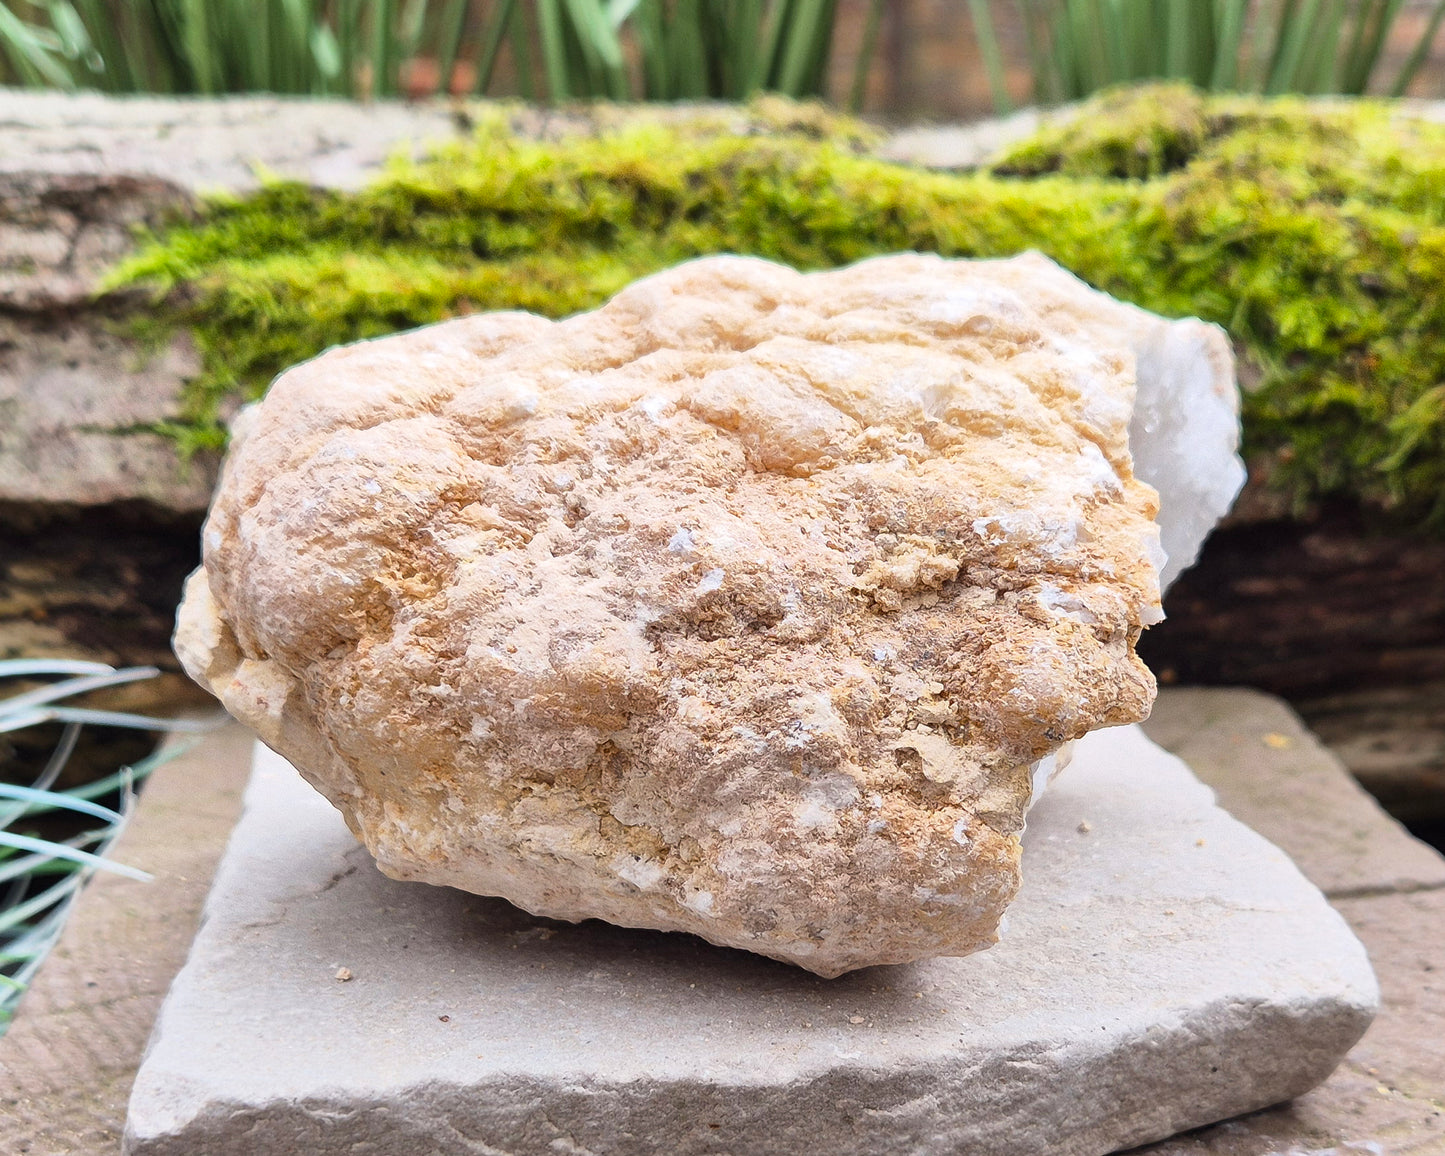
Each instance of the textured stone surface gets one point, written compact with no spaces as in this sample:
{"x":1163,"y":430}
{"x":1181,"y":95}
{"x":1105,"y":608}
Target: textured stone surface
{"x":743,"y":606}
{"x":1163,"y":967}
{"x":965,"y":146}
{"x":77,"y":174}
{"x":1384,"y":1100}
{"x":1273,"y":774}
{"x":1393,"y":741}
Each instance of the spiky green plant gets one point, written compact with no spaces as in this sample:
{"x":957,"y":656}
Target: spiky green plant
{"x":40,"y":876}
{"x":1077,"y":47}
{"x":618,"y":49}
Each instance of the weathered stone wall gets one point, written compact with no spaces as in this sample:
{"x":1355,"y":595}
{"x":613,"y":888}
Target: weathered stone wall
{"x":77,"y":176}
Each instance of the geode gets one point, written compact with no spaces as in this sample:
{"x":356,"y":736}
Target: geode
{"x":750,"y":605}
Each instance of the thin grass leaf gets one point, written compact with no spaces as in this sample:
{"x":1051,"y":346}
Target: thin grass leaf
{"x":383,"y":80}
{"x":58,"y":757}
{"x":330,"y":64}
{"x":1314,"y":65}
{"x":34,"y":61}
{"x":988,"y":47}
{"x":40,"y":801}
{"x":57,"y":892}
{"x":61,"y":851}
{"x":1041,"y":59}
{"x":75,"y":41}
{"x":502,"y":19}
{"x":74,"y":686}
{"x":554,"y":49}
{"x":594,"y":34}
{"x":799,"y":45}
{"x":1128,"y":20}
{"x":1421,"y":51}
{"x":1229,"y":42}
{"x":411,"y":25}
{"x":38,"y":864}
{"x":109,"y":718}
{"x":451,"y":22}
{"x":869,"y":46}
{"x":27,"y":667}
{"x":26,"y":867}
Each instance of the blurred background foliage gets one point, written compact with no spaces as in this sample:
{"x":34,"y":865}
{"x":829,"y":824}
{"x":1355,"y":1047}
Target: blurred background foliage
{"x":1077,"y":47}
{"x":557,"y":50}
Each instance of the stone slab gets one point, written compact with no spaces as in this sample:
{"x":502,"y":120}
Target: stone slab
{"x":1386,"y":1098}
{"x":1392,"y":739}
{"x":1272,"y":773}
{"x":1164,"y":967}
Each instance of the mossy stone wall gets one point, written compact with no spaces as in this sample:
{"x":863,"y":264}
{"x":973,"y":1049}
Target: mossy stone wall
{"x":1314,"y":234}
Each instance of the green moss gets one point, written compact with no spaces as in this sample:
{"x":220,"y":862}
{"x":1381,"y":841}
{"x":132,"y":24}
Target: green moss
{"x":1315,"y":235}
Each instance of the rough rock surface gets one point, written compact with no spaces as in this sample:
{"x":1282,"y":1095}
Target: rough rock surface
{"x":78,"y":173}
{"x":743,"y":606}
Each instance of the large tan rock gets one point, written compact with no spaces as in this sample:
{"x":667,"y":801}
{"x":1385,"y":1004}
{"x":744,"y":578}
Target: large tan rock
{"x":745,"y":605}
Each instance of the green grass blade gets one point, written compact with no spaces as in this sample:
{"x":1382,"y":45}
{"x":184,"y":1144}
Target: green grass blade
{"x":75,"y":686}
{"x":992,"y":53}
{"x":554,"y":50}
{"x":501,"y":19}
{"x":452,"y":23}
{"x":651,"y":32}
{"x":687,"y":45}
{"x":108,"y":718}
{"x":1178,"y":41}
{"x":866,"y":51}
{"x":37,"y":64}
{"x":41,"y":801}
{"x":1372,"y":22}
{"x":383,"y":42}
{"x":1420,"y":52}
{"x":328,"y":60}
{"x":1314,"y":72}
{"x":75,"y":43}
{"x":1116,"y":20}
{"x":411,"y":26}
{"x":105,"y":67}
{"x":74,"y":854}
{"x":1042,"y":62}
{"x":1296,"y":29}
{"x":1228,"y":44}
{"x":29,"y":667}
{"x":771,"y":41}
{"x":17,"y":915}
{"x":597,"y":39}
{"x":521,"y":34}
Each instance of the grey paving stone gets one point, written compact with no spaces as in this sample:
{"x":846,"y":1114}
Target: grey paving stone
{"x":1164,"y":967}
{"x":1273,"y":774}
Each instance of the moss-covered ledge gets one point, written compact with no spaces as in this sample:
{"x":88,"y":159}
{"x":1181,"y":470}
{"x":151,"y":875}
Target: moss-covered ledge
{"x":1314,"y":233}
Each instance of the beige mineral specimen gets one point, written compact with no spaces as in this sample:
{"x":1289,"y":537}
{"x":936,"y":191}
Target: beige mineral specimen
{"x":746,"y":605}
